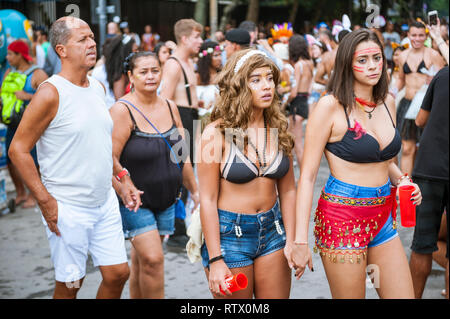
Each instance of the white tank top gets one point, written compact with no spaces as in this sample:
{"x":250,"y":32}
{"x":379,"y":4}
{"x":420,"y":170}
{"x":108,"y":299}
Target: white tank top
{"x":75,"y":151}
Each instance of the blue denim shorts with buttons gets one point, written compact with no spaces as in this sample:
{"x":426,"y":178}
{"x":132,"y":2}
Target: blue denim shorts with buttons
{"x":340,"y":188}
{"x":144,"y":220}
{"x":244,"y":237}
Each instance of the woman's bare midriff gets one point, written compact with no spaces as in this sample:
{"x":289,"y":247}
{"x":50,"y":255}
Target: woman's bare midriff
{"x":256,"y":196}
{"x":360,"y":174}
{"x":413,"y":82}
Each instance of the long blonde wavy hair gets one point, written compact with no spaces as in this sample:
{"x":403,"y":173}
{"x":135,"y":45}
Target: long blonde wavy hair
{"x":234,"y":104}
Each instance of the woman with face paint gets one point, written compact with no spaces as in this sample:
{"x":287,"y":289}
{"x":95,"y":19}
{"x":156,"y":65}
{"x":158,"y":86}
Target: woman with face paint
{"x":246,"y":180}
{"x":355,"y":223}
{"x":147,"y":139}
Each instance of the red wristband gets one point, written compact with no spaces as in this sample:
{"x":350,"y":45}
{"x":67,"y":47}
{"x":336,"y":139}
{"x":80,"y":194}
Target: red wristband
{"x":122,"y":174}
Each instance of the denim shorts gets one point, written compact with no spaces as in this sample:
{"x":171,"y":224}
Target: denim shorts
{"x":144,"y":220}
{"x":245,"y":237}
{"x":340,"y":188}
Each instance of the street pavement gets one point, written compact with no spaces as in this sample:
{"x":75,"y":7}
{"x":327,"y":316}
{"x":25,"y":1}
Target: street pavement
{"x":26,"y":269}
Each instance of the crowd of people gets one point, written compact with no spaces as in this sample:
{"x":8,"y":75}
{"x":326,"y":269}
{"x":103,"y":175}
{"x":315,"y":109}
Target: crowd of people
{"x":113,"y":148}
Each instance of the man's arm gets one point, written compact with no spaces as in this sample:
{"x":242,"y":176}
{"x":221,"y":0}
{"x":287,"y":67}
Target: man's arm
{"x":427,"y":103}
{"x":36,"y":118}
{"x":321,"y":70}
{"x":437,"y":59}
{"x":422,"y":118}
{"x":170,"y":78}
{"x":435,"y":33}
{"x":401,"y":74}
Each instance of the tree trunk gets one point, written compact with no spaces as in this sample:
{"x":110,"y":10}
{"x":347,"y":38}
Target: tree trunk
{"x":293,"y":13}
{"x":318,"y":12}
{"x":227,"y":13}
{"x":200,"y":11}
{"x":253,"y":11}
{"x":213,"y":18}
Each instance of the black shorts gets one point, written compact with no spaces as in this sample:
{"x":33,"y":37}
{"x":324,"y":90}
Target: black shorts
{"x":407,"y":128}
{"x":188,"y":115}
{"x":435,"y":200}
{"x":299,"y":105}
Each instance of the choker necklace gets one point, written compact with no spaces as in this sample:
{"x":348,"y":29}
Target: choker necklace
{"x":365,"y":103}
{"x":361,"y":103}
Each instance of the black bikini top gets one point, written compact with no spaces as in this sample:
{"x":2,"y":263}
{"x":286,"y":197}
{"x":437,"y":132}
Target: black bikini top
{"x":407,"y":69}
{"x":359,"y":147}
{"x":239,"y":169}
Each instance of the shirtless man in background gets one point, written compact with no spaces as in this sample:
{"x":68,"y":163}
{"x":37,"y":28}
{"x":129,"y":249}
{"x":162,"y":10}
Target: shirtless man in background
{"x":412,"y":61}
{"x":325,"y":67}
{"x":179,"y":69}
{"x":178,"y":84}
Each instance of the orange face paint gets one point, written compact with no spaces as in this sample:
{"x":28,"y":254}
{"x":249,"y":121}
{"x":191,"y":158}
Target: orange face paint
{"x":358,"y":68}
{"x":368,"y":51}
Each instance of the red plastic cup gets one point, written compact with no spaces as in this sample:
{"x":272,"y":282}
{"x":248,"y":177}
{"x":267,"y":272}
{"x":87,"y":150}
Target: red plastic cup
{"x":235,"y":283}
{"x":407,"y":208}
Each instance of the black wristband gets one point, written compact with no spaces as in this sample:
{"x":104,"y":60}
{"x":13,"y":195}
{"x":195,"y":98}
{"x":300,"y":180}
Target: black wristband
{"x":215,"y":259}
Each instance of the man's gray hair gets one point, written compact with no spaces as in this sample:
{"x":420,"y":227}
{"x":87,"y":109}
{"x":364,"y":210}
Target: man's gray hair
{"x":59,"y":33}
{"x":61,"y":29}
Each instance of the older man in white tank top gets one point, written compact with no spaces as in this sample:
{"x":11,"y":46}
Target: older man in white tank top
{"x":70,"y":123}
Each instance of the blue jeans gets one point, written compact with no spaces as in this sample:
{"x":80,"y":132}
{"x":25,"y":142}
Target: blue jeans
{"x":245,"y":237}
{"x":340,"y":188}
{"x":144,"y":220}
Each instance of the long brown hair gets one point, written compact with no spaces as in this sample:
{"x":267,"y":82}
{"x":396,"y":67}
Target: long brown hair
{"x":234,"y":104}
{"x":341,"y":82}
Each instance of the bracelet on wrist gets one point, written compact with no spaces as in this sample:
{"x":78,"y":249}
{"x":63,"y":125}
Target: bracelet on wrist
{"x":212,"y":260}
{"x":122,"y":173}
{"x":300,"y":243}
{"x":401,"y":178}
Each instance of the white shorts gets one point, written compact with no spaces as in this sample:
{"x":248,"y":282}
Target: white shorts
{"x":97,"y":230}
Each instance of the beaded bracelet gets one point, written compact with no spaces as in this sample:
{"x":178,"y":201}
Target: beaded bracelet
{"x":215,"y":259}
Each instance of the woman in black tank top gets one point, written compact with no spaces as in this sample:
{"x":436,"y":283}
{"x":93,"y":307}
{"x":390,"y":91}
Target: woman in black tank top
{"x":355,"y":219}
{"x":151,"y":163}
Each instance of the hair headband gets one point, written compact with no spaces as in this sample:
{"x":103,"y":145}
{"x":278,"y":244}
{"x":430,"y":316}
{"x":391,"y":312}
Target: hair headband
{"x":245,"y":57}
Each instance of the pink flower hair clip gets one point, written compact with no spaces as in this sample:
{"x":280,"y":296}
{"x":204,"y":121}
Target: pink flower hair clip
{"x":204,"y":53}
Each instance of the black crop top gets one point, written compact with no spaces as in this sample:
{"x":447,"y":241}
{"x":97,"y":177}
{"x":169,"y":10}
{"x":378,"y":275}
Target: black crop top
{"x":239,"y":169}
{"x":359,"y":147}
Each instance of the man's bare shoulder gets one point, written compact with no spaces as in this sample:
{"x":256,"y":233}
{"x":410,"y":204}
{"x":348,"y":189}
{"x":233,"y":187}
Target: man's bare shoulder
{"x":46,"y":95}
{"x":172,"y":69}
{"x":404,"y":54}
{"x":172,"y":64}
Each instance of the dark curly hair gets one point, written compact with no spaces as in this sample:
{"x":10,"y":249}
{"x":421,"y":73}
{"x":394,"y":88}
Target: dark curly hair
{"x":204,"y":62}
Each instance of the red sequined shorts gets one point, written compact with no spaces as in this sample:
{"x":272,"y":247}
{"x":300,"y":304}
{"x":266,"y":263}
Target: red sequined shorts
{"x":345,"y":226}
